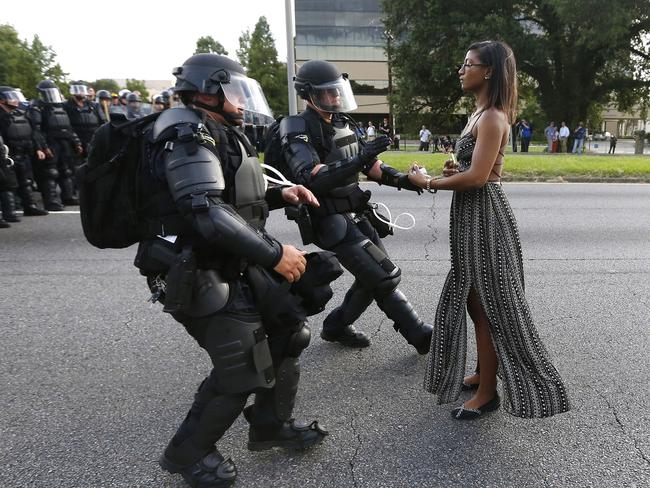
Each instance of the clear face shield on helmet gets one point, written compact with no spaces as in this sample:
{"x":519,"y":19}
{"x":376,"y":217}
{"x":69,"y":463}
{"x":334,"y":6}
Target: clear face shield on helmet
{"x":79,"y":90}
{"x":246,"y":93}
{"x":13,"y":98}
{"x":333,"y":96}
{"x":51,"y":95}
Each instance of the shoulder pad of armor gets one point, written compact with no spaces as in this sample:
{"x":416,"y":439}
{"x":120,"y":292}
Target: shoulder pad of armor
{"x":174,"y":116}
{"x":293,"y":125}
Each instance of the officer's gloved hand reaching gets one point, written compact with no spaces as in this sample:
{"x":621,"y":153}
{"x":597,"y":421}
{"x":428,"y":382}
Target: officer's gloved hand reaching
{"x":370,"y":150}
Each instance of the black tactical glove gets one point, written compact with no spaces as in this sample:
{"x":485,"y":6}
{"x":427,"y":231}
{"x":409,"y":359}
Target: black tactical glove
{"x":370,"y":150}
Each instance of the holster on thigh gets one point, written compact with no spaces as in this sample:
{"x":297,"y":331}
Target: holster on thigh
{"x":370,"y":265}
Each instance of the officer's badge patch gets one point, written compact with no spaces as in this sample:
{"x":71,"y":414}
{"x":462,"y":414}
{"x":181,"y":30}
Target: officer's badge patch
{"x":303,"y":137}
{"x":204,"y":136}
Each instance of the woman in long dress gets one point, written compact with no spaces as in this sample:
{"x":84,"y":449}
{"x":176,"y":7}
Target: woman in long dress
{"x":486,"y":275}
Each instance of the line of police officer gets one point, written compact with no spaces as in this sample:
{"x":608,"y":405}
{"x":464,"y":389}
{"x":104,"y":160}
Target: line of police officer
{"x":45,"y":141}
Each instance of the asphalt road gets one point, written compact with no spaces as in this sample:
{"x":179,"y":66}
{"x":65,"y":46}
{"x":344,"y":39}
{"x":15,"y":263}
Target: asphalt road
{"x":94,"y":380}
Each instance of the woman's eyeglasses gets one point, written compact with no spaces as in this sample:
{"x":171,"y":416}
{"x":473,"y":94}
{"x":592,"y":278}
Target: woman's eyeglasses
{"x":469,"y":65}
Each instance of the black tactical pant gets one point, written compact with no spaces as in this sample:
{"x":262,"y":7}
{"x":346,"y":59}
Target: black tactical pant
{"x":362,"y":253}
{"x":214,"y":410}
{"x":359,"y":297}
{"x":59,"y":169}
{"x":25,"y":179}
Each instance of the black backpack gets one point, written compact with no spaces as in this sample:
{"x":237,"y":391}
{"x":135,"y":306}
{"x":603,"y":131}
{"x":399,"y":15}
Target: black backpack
{"x":273,"y":149}
{"x":107,"y":182}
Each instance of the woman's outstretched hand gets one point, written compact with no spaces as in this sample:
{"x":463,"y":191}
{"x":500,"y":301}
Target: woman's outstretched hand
{"x":417,"y":177}
{"x":450,"y":168}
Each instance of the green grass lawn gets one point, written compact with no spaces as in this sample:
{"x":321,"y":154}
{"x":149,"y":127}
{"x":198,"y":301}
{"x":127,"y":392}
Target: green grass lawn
{"x":542,"y":166}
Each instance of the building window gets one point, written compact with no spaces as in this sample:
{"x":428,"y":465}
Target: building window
{"x":369,"y":87}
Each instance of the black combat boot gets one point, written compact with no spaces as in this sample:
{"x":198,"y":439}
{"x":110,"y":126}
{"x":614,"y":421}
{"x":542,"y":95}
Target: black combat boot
{"x":211,"y":471}
{"x":30,"y":209}
{"x":67,"y":192}
{"x":346,"y":336}
{"x":51,"y":199}
{"x":34,"y":211}
{"x":4,"y":224}
{"x":337,"y":327}
{"x":266,"y":433}
{"x":8,"y":205}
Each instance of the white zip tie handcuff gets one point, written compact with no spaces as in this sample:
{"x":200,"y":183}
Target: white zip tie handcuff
{"x":283,"y":181}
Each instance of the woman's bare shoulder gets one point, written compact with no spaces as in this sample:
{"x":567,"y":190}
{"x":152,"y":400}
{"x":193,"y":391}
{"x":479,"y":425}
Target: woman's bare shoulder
{"x":493,"y":117}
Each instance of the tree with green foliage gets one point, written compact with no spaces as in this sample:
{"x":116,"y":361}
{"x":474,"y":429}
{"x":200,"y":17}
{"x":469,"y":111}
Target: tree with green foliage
{"x":207,"y":44}
{"x":137,"y":85}
{"x":257,"y":53}
{"x":24,"y":64}
{"x":106,"y":84}
{"x":578,"y":54}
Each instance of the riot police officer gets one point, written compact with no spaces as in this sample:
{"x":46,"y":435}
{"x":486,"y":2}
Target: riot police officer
{"x":323,"y":153}
{"x":159,"y":103}
{"x":84,"y":114}
{"x":51,"y":120}
{"x":104,"y":102}
{"x":7,"y":185}
{"x":133,"y":106}
{"x":208,"y":189}
{"x":23,"y":144}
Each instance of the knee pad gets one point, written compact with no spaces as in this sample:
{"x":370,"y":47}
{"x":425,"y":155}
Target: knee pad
{"x":298,"y":341}
{"x":389,"y":285}
{"x":51,"y":173}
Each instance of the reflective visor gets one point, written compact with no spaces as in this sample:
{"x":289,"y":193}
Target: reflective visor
{"x":79,"y":90}
{"x":15,"y":95}
{"x":246,"y":93}
{"x":51,"y":95}
{"x":334,"y":96}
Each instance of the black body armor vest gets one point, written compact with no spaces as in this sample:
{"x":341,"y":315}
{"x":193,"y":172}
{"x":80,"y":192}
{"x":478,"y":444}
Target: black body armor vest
{"x":56,"y":122}
{"x":344,"y":144}
{"x":84,"y":120}
{"x":18,"y":132}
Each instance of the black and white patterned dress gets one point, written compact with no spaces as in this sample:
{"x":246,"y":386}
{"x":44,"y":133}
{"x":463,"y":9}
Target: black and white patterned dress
{"x":486,"y":255}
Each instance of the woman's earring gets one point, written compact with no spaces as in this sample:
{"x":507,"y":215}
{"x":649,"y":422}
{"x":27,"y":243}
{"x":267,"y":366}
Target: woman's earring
{"x":487,"y":77}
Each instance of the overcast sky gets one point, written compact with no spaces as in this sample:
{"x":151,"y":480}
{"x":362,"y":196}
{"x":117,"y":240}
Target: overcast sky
{"x":137,"y":39}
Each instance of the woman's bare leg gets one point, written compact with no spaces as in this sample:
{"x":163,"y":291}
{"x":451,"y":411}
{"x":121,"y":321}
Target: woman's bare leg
{"x":473,"y":379}
{"x":487,"y":356}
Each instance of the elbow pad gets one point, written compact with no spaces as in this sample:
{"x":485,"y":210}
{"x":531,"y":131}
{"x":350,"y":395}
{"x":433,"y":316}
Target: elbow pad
{"x":392,"y":177}
{"x":335,"y":174}
{"x":221,"y":225}
{"x":192,"y":169}
{"x":301,"y":159}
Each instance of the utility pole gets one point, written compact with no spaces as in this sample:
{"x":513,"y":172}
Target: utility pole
{"x":389,"y":39}
{"x":291,"y":59}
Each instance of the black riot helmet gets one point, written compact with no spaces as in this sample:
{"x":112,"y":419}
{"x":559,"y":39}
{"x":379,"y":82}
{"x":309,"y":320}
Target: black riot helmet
{"x":103,"y":95}
{"x":166,"y":97}
{"x":79,"y":90}
{"x":49,"y":92}
{"x":12,"y":97}
{"x":320,"y":82}
{"x":218,"y":75}
{"x":133,"y":101}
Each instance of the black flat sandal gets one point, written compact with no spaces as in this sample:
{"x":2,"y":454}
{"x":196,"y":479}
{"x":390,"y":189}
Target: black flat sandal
{"x":464,"y":413}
